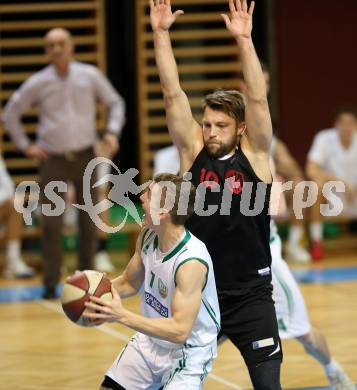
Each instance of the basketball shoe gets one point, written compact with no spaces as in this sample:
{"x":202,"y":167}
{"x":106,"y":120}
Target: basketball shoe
{"x":339,"y":380}
{"x":17,"y":268}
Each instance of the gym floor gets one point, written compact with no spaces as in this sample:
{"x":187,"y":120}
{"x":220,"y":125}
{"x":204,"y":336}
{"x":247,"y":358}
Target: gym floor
{"x":41,"y":349}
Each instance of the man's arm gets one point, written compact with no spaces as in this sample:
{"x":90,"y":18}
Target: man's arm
{"x":18,"y":104}
{"x":116,"y":110}
{"x":277,"y":206}
{"x":286,"y":165}
{"x":316,"y":160}
{"x":186,"y":133}
{"x":259,"y":127}
{"x":315,"y":172}
{"x":190,"y":279}
{"x":130,"y":281}
{"x":317,"y":157}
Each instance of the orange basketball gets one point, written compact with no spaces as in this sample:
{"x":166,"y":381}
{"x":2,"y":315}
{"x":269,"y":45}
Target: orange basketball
{"x":77,"y":290}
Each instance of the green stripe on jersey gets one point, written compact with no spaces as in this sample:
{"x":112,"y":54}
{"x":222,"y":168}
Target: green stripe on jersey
{"x":178,"y":247}
{"x":212,"y":314}
{"x":148,"y":241}
{"x":144,"y":237}
{"x":189,"y":259}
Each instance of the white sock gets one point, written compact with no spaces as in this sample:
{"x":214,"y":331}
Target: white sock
{"x":332,"y":367}
{"x":12,"y":250}
{"x":316,"y":231}
{"x":295,"y":234}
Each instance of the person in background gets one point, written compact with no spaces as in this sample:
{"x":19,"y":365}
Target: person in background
{"x":288,"y":168}
{"x":291,"y":311}
{"x":65,"y":93}
{"x":102,"y":261}
{"x":167,"y":160}
{"x":11,"y":224}
{"x":333,"y":157}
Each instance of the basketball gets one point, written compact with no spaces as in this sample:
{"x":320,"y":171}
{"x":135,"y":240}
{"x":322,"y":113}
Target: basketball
{"x":77,"y":290}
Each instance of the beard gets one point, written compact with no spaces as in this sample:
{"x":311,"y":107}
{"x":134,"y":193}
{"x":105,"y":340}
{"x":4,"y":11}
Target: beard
{"x":219,"y":149}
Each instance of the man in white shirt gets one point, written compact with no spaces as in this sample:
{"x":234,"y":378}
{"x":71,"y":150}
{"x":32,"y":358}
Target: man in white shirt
{"x":65,"y":93}
{"x":11,"y":224}
{"x":333,"y":157}
{"x":167,"y":160}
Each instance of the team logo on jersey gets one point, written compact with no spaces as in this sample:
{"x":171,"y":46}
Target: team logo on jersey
{"x":209,"y":178}
{"x":162,"y":289}
{"x":156,"y":305}
{"x":235,"y":180}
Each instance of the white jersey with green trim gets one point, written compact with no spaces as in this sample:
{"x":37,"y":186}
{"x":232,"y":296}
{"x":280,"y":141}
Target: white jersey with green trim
{"x":290,"y":308}
{"x":160,"y":284}
{"x":273,"y":231}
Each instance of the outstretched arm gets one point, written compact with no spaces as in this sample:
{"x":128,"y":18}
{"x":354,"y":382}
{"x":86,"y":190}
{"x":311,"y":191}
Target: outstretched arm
{"x":185,"y":131}
{"x":259,"y":127}
{"x":190,"y":279}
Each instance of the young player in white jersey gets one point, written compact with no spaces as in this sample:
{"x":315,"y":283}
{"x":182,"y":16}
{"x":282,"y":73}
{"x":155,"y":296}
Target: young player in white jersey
{"x":177,"y":334}
{"x":293,"y":319}
{"x":10,"y":229}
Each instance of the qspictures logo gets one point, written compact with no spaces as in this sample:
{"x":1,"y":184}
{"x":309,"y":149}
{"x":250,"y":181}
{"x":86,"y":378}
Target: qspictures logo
{"x":305,"y":194}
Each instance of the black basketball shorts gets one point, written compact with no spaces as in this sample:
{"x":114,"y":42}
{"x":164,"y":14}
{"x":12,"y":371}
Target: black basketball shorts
{"x":248,"y":319}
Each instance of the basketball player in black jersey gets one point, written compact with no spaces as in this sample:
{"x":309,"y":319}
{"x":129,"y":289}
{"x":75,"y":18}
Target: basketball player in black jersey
{"x":231,"y":147}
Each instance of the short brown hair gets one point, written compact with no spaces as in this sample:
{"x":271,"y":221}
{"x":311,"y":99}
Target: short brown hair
{"x":185,"y":192}
{"x":346,"y":109}
{"x":231,"y":102}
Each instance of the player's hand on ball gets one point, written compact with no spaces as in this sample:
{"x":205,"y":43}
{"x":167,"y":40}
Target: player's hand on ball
{"x":105,"y":311}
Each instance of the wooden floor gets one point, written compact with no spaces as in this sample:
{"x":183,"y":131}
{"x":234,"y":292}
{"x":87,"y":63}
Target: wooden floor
{"x":41,"y":349}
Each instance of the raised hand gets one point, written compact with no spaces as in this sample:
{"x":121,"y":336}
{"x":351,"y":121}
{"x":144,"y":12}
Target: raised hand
{"x":240,"y":21}
{"x":161,"y":15}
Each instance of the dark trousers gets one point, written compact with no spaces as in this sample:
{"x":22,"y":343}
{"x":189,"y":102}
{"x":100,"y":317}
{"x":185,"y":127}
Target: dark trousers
{"x":68,"y":167}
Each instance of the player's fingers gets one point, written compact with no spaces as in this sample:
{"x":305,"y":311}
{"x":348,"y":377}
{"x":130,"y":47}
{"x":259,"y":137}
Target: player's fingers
{"x":251,"y":8}
{"x":96,"y":315}
{"x":94,"y":306}
{"x":238,"y":5}
{"x":98,"y":301}
{"x":232,"y":7}
{"x":97,"y":322}
{"x":244,"y":5}
{"x":226,"y":20}
{"x":178,"y":13}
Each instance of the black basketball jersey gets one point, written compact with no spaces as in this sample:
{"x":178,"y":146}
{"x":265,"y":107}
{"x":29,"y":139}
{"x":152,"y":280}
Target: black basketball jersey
{"x":237,"y":240}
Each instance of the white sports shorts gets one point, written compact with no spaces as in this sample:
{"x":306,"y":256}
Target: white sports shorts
{"x":291,"y":313}
{"x":143,"y":364}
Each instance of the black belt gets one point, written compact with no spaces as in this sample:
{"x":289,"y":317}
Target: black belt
{"x":73,"y":155}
